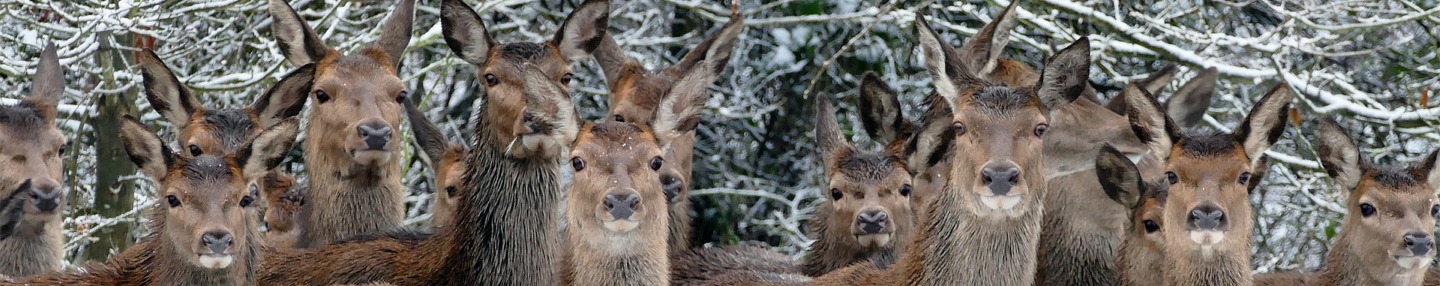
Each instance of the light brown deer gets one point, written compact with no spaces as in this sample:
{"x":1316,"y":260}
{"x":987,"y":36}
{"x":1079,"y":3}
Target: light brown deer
{"x":352,"y":126}
{"x":30,"y":145}
{"x":512,"y":183}
{"x":1140,"y":260}
{"x":1387,"y":237}
{"x":635,"y":93}
{"x":984,"y":229}
{"x":446,"y":161}
{"x":204,"y":230}
{"x":1207,"y":213}
{"x":283,"y":201}
{"x":868,"y":215}
{"x":617,"y":225}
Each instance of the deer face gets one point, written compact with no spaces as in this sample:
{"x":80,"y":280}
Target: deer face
{"x":617,"y":175}
{"x":30,"y":144}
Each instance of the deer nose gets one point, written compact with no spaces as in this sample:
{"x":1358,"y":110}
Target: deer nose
{"x":217,"y":241}
{"x":1207,"y":217}
{"x":672,"y":186}
{"x":376,"y":135}
{"x":872,"y":221}
{"x":622,"y":204}
{"x":46,"y":196}
{"x":1418,"y":243}
{"x":1000,"y":178}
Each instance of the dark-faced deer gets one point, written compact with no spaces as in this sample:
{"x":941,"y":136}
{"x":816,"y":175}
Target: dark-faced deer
{"x":446,"y":161}
{"x":353,"y":125}
{"x":616,"y":213}
{"x":1140,"y":259}
{"x":1207,"y":213}
{"x":984,"y":228}
{"x":635,"y":93}
{"x":1388,"y":236}
{"x":868,"y":215}
{"x":31,"y":240}
{"x":283,"y":201}
{"x":512,"y":183}
{"x":219,"y":131}
{"x":204,"y":230}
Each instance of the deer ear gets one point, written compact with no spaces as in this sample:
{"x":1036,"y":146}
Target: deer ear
{"x":1428,"y":168}
{"x":715,"y":50}
{"x":1154,"y":84}
{"x":431,"y":140}
{"x":1189,"y":103}
{"x":49,"y":76}
{"x":165,"y":92}
{"x":941,"y":62}
{"x":982,"y":53}
{"x":395,"y":32}
{"x":1338,"y":154}
{"x":931,"y":144}
{"x":680,"y":110}
{"x":287,"y":98}
{"x":1066,"y":75}
{"x":464,"y":32}
{"x":880,"y":110}
{"x":145,"y":148}
{"x":828,"y":135}
{"x":1149,"y":122}
{"x":1119,"y":177}
{"x":583,"y":31}
{"x":268,"y":149}
{"x":1265,"y":123}
{"x":297,"y":41}
{"x":549,"y":106}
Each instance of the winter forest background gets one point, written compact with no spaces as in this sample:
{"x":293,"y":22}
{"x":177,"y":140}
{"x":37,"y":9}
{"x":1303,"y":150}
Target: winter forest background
{"x":1372,"y":64}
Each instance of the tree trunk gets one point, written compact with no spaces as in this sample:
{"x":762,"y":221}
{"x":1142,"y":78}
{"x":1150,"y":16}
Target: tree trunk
{"x":112,"y":196}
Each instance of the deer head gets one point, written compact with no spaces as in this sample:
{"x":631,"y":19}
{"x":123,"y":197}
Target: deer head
{"x":30,"y":148}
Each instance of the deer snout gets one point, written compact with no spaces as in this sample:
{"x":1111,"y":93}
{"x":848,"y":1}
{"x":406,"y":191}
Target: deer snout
{"x":1000,"y":178}
{"x":218,"y":242}
{"x":1419,"y":243}
{"x":47,"y":196}
{"x":1206,"y":217}
{"x":672,"y":185}
{"x":622,"y":204}
{"x":872,"y":221}
{"x":375,"y":134}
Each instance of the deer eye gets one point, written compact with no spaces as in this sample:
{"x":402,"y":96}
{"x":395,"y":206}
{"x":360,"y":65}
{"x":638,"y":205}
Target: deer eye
{"x":174,"y":201}
{"x":450,"y":191}
{"x":402,"y":97}
{"x":490,"y":80}
{"x":577,"y":163}
{"x":1244,"y":178}
{"x":1172,"y":177}
{"x":1435,"y":210}
{"x":619,"y":118}
{"x":959,"y":128}
{"x":1151,"y":226}
{"x":905,"y":190}
{"x":246,"y":201}
{"x":1367,"y":210}
{"x":64,"y":147}
{"x":656,"y":162}
{"x":321,"y":96}
{"x":567,"y":78}
{"x":1040,"y":130}
{"x":835,"y":194}
{"x":195,"y":150}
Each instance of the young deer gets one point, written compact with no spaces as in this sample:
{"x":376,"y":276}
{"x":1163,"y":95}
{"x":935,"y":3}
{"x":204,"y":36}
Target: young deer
{"x":223,"y":131}
{"x":511,"y":185}
{"x":283,"y":201}
{"x":33,"y":242}
{"x":1207,"y":213}
{"x":354,"y":185}
{"x":1140,"y":261}
{"x":203,"y":230}
{"x":984,"y":228}
{"x":635,"y":93}
{"x":446,"y":160}
{"x":616,"y":213}
{"x":868,"y":214}
{"x":1388,"y":236}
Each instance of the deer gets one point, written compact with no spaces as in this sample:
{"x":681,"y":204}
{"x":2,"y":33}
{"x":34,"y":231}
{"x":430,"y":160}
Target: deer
{"x":868,"y":214}
{"x":203,"y":130}
{"x":446,"y":160}
{"x":204,"y":230}
{"x":635,"y":93}
{"x":510,"y":187}
{"x":984,"y":228}
{"x":617,"y":226}
{"x":283,"y":201}
{"x":1207,"y":214}
{"x":31,"y":238}
{"x":355,"y":114}
{"x":1140,"y":260}
{"x":1387,"y":237}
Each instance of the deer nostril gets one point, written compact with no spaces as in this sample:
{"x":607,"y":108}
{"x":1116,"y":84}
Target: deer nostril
{"x":217,"y":241}
{"x":1207,"y":217}
{"x":872,"y":222}
{"x":1418,"y":243}
{"x":622,"y":206}
{"x":999,"y":179}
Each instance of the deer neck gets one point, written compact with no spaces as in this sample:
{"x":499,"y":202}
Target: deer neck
{"x":956,"y":246}
{"x":639,"y":257}
{"x":509,"y":215}
{"x":1347,"y":264}
{"x":1082,"y":230}
{"x":1218,"y":267}
{"x":338,"y":187}
{"x":836,"y":248}
{"x":682,"y":151}
{"x":34,"y":248}
{"x":1138,"y":265}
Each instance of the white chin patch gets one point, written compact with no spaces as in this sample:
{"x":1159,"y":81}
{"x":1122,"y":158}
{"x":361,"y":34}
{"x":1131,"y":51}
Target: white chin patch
{"x":1000,"y":202}
{"x":621,"y":225}
{"x":214,"y":261}
{"x":877,"y":240}
{"x":1412,"y":262}
{"x":372,"y":157}
{"x":1206,"y":238}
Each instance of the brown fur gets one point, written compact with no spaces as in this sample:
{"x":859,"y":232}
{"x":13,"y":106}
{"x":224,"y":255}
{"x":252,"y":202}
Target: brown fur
{"x":350,"y":91}
{"x":706,"y":266}
{"x":1285,"y":279}
{"x":446,"y":161}
{"x":283,"y":201}
{"x":1208,"y":171}
{"x":31,"y":239}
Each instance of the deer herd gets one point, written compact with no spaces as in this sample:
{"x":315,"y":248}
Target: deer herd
{"x":1009,"y":177}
